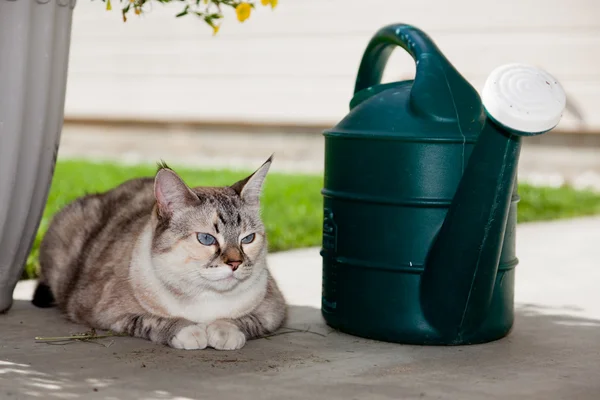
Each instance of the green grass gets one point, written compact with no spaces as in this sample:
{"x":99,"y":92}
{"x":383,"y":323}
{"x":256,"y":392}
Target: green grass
{"x":545,"y":203}
{"x":292,"y":204}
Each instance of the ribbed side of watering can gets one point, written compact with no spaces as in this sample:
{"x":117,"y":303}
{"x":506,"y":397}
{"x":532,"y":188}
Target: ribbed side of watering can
{"x":379,"y":223}
{"x":34,"y":52}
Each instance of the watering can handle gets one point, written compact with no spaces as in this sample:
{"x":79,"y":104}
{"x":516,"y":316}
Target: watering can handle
{"x":411,"y":39}
{"x":454,"y":98}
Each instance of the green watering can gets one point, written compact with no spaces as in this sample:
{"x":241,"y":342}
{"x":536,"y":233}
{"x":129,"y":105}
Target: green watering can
{"x":420,"y":197}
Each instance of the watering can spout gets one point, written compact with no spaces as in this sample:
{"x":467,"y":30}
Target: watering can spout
{"x":462,"y":264}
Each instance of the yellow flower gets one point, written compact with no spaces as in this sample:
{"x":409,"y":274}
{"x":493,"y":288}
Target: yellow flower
{"x":138,"y":11}
{"x":243,"y":11}
{"x":273,"y":3}
{"x":108,"y":6}
{"x":216,"y":29}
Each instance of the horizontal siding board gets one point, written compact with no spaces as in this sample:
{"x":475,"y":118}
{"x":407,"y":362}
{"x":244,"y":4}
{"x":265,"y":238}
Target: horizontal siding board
{"x":566,"y":56}
{"x":273,"y":99}
{"x":342,"y":16}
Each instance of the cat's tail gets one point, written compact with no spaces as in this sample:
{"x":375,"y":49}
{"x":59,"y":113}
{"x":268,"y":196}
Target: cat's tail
{"x":43,"y":296}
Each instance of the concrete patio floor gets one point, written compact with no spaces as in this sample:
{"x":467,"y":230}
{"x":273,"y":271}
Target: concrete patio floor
{"x":553,"y":351}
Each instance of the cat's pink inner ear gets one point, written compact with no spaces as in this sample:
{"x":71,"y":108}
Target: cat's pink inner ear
{"x":171,"y":192}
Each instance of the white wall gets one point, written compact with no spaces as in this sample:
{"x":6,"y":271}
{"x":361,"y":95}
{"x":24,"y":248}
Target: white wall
{"x":297,"y":64}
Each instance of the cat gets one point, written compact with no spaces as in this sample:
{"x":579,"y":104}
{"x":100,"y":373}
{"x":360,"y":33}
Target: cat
{"x":155,"y":259}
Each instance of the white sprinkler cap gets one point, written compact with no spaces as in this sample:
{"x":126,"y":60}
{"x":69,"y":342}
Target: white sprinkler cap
{"x":524,"y":98}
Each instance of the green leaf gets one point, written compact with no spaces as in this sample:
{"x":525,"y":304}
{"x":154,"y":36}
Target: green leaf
{"x":184,"y":12}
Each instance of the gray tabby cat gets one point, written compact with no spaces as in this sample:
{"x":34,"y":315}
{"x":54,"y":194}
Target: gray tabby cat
{"x":155,"y":259}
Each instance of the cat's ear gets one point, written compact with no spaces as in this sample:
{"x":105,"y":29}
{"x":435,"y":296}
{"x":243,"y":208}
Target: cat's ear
{"x":250,"y":188}
{"x":171,"y":192}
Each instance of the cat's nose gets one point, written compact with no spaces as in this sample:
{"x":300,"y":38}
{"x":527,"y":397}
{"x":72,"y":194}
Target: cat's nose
{"x":234,"y":264}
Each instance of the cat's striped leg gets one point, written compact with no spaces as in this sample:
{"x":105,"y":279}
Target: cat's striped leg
{"x":175,"y":332}
{"x":231,"y":334}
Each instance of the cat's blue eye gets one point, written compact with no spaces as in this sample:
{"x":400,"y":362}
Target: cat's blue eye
{"x":248,"y":239}
{"x":206,"y":239}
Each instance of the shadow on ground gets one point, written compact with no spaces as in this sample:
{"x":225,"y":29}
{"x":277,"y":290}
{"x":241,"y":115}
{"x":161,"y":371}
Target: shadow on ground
{"x":546,"y":356}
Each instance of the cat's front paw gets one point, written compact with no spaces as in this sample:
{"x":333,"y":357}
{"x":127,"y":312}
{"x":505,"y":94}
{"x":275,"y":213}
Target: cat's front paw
{"x":225,"y":335}
{"x":192,"y":337}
